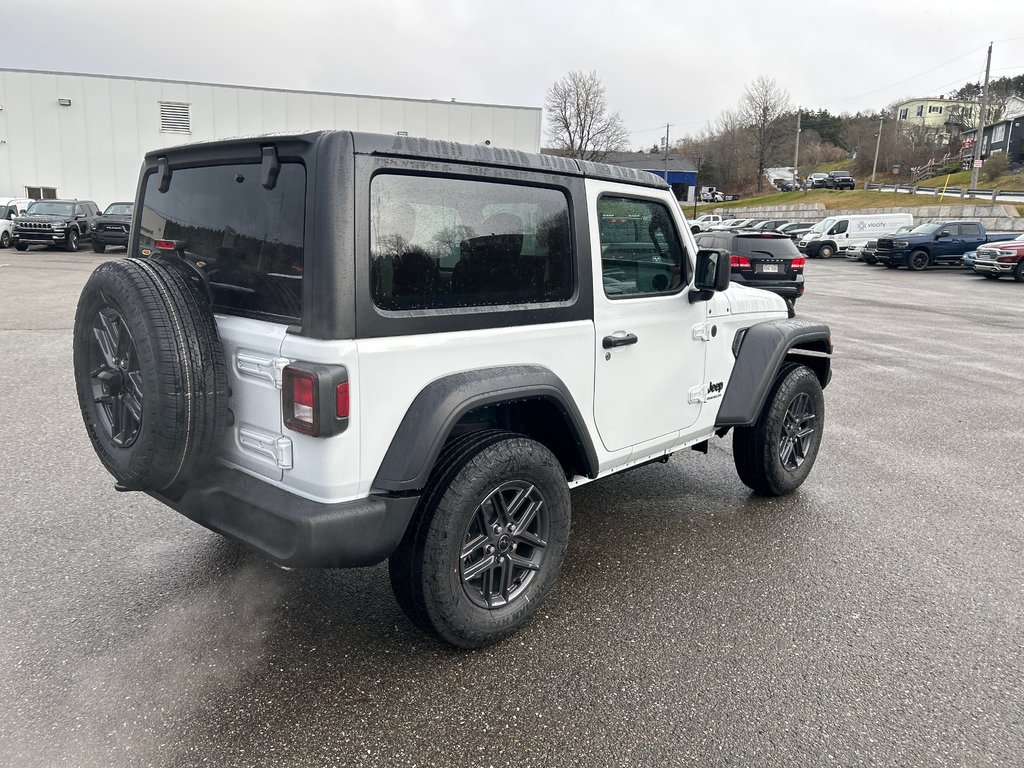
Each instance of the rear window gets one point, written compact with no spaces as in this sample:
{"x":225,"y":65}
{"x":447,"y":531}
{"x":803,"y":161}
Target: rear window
{"x":446,"y":243}
{"x":770,"y":247}
{"x":247,"y":239}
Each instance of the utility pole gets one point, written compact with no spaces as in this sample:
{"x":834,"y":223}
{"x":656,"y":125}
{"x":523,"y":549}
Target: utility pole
{"x":981,"y":123}
{"x":878,"y":144}
{"x":796,"y":158}
{"x":667,"y":125}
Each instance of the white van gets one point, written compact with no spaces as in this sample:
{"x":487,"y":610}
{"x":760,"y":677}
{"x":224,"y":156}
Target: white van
{"x":9,"y":208}
{"x":837,"y":233}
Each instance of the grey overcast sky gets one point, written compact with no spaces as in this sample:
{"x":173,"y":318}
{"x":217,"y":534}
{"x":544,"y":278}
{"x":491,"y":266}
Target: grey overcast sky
{"x":677,"y":62}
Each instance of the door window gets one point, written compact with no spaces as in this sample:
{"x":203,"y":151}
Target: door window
{"x":970,"y":230}
{"x":641,"y":253}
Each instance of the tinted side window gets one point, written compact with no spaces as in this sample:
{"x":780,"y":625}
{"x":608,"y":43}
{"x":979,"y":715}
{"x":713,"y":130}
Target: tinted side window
{"x":247,"y":239}
{"x":970,"y":230}
{"x":840,"y":227}
{"x":438,"y":243}
{"x":953,"y":229}
{"x":641,"y":253}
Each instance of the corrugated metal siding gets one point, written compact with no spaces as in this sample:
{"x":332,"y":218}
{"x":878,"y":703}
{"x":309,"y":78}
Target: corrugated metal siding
{"x":93,"y":148}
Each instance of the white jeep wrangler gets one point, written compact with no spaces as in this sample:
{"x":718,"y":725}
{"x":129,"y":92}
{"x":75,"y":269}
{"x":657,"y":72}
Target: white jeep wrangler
{"x":339,"y":348}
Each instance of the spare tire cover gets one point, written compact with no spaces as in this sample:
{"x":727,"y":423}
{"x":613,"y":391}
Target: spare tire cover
{"x":149,"y":370}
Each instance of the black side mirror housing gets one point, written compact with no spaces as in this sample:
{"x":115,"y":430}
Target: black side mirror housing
{"x":944,"y":233}
{"x":712,"y":274}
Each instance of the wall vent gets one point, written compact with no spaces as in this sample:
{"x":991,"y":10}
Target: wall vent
{"x":175,"y":117}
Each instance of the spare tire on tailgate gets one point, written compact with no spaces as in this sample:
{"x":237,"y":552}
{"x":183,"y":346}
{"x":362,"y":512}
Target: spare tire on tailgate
{"x":149,"y":370}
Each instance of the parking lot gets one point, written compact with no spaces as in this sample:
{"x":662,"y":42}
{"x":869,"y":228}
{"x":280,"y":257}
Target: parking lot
{"x":875,"y":617}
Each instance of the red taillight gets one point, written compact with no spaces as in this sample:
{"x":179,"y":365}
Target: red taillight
{"x":300,"y":389}
{"x":165,"y":245}
{"x":739,"y":262}
{"x":798,"y":262}
{"x":315,"y":398}
{"x":341,"y":400}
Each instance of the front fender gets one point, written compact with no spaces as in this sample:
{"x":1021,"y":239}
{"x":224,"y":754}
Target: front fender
{"x":762,"y":352}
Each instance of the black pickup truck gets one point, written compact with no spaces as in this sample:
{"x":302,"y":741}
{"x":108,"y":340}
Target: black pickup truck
{"x":55,"y":222}
{"x":937,"y":243}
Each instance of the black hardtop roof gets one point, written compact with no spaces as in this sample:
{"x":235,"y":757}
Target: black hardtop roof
{"x":432,"y":149}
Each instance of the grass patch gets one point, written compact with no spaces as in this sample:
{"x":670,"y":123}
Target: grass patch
{"x":839,"y":165}
{"x":963,"y":179}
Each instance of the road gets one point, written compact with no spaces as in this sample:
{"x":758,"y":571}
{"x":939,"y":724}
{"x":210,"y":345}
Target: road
{"x":875,"y":617}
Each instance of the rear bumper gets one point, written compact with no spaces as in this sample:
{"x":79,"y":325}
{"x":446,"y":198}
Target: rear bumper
{"x":292,"y":531}
{"x":787,"y":289}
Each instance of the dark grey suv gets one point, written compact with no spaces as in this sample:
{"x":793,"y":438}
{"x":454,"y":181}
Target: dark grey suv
{"x":767,"y":260}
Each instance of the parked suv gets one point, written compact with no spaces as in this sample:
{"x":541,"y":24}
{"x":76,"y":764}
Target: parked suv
{"x":816,"y":181}
{"x":840,"y":180}
{"x":340,"y":348}
{"x":767,"y":260}
{"x":55,"y":222}
{"x":112,"y":227}
{"x":10,"y":207}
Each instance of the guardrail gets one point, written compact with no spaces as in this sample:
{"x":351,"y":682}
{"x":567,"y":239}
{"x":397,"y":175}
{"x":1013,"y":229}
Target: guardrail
{"x":963,"y":193}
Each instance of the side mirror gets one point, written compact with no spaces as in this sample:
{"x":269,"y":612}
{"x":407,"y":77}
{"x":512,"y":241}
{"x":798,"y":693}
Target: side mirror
{"x":944,"y":233}
{"x":712,"y":274}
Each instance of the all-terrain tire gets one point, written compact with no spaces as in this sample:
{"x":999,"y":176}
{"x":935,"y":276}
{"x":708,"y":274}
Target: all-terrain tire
{"x":98,"y":247}
{"x":149,"y":371}
{"x":427,"y":568}
{"x":71,"y":244}
{"x":21,"y":246}
{"x":760,"y":451}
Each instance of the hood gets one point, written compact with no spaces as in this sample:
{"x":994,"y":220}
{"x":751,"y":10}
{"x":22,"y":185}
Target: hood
{"x":742,"y":300}
{"x":44,"y":218}
{"x":114,"y":218}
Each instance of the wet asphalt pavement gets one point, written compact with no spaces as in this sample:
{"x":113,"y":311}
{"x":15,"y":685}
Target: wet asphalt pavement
{"x":875,"y":617}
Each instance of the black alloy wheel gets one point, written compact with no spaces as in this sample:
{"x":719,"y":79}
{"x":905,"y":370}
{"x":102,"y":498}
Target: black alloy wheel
{"x":72,"y":242}
{"x":918,"y":261}
{"x":116,"y":378}
{"x":5,"y":239}
{"x":504,"y":545}
{"x":797,"y":436}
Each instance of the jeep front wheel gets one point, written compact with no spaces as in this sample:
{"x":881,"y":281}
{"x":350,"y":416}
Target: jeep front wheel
{"x":774,"y":456}
{"x":71,"y":244}
{"x":488,"y":540}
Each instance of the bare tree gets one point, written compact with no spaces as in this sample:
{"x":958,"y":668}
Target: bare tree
{"x":763,"y":103}
{"x":579,"y":123}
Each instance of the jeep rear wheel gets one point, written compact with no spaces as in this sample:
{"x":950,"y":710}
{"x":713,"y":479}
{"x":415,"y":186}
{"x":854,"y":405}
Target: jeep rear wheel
{"x":918,"y":260}
{"x":488,"y":540}
{"x":149,"y":371}
{"x":774,"y":456}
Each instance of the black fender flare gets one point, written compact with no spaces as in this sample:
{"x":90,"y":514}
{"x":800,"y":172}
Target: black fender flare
{"x":762,"y":351}
{"x":438,"y":407}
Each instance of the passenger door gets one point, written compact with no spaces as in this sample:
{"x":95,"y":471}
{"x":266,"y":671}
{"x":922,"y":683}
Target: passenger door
{"x":650,"y":345}
{"x":970,"y":238}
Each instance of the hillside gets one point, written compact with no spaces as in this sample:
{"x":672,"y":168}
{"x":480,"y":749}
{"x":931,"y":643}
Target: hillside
{"x":833,"y":200}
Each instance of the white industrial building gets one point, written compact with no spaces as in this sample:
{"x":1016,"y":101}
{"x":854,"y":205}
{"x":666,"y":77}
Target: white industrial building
{"x":83,"y":136}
